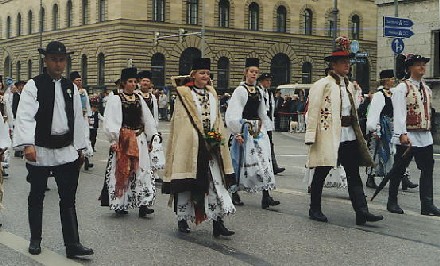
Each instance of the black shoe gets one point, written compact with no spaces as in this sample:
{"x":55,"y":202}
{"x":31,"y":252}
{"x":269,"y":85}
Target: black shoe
{"x":236,"y":199}
{"x":183,"y":227}
{"x":121,"y":212}
{"x":370,"y":182}
{"x":317,"y":216}
{"x":365,"y":216}
{"x":144,"y":210}
{"x":278,"y":170}
{"x":34,"y":247}
{"x":394,"y":208}
{"x":268,"y":201}
{"x":406,"y":183}
{"x":432,"y":210}
{"x":73,"y":250}
{"x":5,"y":174}
{"x":159,"y":180}
{"x":86,"y":164}
{"x":219,"y":229}
{"x":90,"y":165}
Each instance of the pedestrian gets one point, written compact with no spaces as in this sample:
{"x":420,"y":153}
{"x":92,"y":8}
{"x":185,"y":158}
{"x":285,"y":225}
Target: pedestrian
{"x":4,"y":162}
{"x":94,"y":119}
{"x":146,"y":91}
{"x":247,"y":119}
{"x":412,"y":124}
{"x":5,"y":142}
{"x":264,"y":84}
{"x":333,"y":134}
{"x":15,"y":100}
{"x":197,"y":157}
{"x":163,"y":105}
{"x":130,"y":127}
{"x":50,"y":129}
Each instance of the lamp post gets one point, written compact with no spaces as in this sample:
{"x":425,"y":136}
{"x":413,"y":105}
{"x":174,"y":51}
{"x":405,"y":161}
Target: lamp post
{"x":203,"y":29}
{"x":396,"y":14}
{"x":41,"y":36}
{"x":335,"y":12}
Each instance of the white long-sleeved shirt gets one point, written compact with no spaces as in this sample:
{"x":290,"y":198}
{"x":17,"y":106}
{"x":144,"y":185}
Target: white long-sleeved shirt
{"x":347,"y":133}
{"x":5,"y":140}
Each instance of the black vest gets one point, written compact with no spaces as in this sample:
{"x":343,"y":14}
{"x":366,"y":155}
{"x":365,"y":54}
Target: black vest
{"x":46,"y":99}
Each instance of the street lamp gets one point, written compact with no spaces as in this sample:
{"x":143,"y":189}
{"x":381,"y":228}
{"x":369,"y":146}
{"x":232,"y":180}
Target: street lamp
{"x":335,"y":12}
{"x":41,"y":36}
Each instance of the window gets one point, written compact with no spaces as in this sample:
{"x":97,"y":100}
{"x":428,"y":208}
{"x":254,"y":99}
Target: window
{"x":29,"y":68}
{"x":355,"y":27}
{"x":101,"y":69}
{"x":42,"y":19}
{"x":280,"y":69}
{"x":308,"y":18}
{"x":331,"y":28}
{"x":306,"y":73}
{"x":85,"y":13}
{"x":254,"y":16}
{"x":19,"y":24}
{"x":281,"y":19}
{"x":7,"y":67}
{"x":18,"y":68}
{"x":84,"y":69}
{"x":223,"y":73}
{"x":101,"y":10}
{"x":69,"y":64}
{"x":69,"y":14}
{"x":30,"y":23}
{"x":55,"y":18}
{"x":223,"y":13}
{"x":8,"y":28}
{"x":158,"y":70}
{"x":186,"y":59}
{"x":159,"y":10}
{"x":192,"y":7}
{"x":436,"y":60}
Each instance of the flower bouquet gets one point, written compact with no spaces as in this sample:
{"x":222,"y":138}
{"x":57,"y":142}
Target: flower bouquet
{"x":214,"y":138}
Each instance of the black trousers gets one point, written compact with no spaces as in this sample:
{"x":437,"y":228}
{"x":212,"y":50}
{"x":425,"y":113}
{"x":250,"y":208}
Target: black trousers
{"x":66,"y":177}
{"x":348,"y":157}
{"x":272,"y":150}
{"x":93,"y":132}
{"x":424,"y":159}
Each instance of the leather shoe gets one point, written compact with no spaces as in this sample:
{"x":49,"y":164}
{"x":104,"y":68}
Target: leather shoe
{"x":34,"y":247}
{"x":365,"y":216}
{"x":121,"y":212}
{"x":394,"y":208}
{"x":432,"y":210}
{"x":219,"y":229}
{"x":370,"y":182}
{"x":236,"y":199}
{"x":317,"y":216}
{"x":183,"y":227}
{"x":278,"y":170}
{"x":73,"y":250}
{"x":144,"y":210}
{"x":268,"y":201}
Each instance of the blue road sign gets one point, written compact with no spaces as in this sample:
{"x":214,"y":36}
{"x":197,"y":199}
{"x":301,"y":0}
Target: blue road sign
{"x":397,"y":45}
{"x":397,"y":32}
{"x":354,"y":46}
{"x":394,"y":22}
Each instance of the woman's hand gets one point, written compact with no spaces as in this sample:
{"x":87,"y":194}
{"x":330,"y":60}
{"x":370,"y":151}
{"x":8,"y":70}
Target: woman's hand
{"x":30,"y":154}
{"x":114,"y":147}
{"x":239,"y":138}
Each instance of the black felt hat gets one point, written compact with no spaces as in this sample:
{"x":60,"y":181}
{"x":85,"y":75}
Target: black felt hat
{"x":74,"y":75}
{"x":201,"y":63}
{"x":118,"y":82}
{"x":250,"y":62}
{"x":386,"y":74}
{"x":145,"y":74}
{"x":264,"y":76}
{"x":128,"y":73}
{"x":54,"y":47}
{"x":412,"y":58}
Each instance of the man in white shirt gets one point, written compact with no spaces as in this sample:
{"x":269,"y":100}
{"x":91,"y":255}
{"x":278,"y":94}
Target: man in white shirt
{"x":50,"y":129}
{"x":412,"y":136}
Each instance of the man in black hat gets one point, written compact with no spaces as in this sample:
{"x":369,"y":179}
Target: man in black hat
{"x":264,"y":82}
{"x":412,"y":136}
{"x":146,"y":89}
{"x":50,"y":129}
{"x":333,"y":134}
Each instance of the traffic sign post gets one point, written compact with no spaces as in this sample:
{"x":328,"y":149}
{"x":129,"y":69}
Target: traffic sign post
{"x":354,"y":46}
{"x":398,"y":32}
{"x":394,"y":22}
{"x":397,"y":27}
{"x":397,"y":45}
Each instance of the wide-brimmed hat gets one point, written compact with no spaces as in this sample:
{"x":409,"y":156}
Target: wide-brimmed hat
{"x":74,"y":75}
{"x":342,"y":50}
{"x":264,"y":76}
{"x":128,"y":73}
{"x":201,"y":63}
{"x":412,"y":58}
{"x":250,"y":62}
{"x":386,"y":74}
{"x":54,"y":47}
{"x":145,"y":74}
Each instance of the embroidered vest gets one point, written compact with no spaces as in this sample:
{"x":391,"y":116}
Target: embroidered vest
{"x":418,"y":108}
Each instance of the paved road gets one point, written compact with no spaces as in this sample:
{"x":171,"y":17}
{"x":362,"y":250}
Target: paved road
{"x":280,"y":236}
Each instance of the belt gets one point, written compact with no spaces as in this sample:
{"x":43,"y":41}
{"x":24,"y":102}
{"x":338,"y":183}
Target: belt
{"x":347,"y":121}
{"x":138,"y":131}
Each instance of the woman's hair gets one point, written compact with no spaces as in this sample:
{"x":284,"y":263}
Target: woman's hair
{"x":246,"y":69}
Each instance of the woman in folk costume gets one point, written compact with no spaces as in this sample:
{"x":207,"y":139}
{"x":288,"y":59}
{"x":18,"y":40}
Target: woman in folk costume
{"x":5,"y":142}
{"x":197,"y":159}
{"x":247,"y":119}
{"x":129,"y":126}
{"x":333,"y":133}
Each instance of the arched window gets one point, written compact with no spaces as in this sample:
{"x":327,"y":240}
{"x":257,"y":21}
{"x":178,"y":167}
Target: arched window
{"x":355,"y":27}
{"x":186,"y":59}
{"x":42,"y":19}
{"x":29,"y":68}
{"x":18,"y":69}
{"x":85,"y":14}
{"x":281,"y":19}
{"x":101,"y":10}
{"x":159,"y":10}
{"x":192,"y":9}
{"x":308,"y":19}
{"x":69,"y":64}
{"x":30,"y":22}
{"x":8,"y":28}
{"x":84,"y":69}
{"x":7,"y":67}
{"x":254,"y":16}
{"x":55,"y":18}
{"x":101,"y":69}
{"x":331,"y":27}
{"x":306,"y":73}
{"x":223,"y":13}
{"x":223,"y":73}
{"x":69,"y":14}
{"x":158,"y":70}
{"x":280,"y":69}
{"x":19,"y":25}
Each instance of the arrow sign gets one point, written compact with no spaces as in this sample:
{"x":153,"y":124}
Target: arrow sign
{"x":397,"y":22}
{"x":354,"y":46}
{"x":397,"y":45}
{"x":397,"y":32}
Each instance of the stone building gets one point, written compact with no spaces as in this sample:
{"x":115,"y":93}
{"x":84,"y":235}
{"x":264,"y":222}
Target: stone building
{"x":290,"y":37}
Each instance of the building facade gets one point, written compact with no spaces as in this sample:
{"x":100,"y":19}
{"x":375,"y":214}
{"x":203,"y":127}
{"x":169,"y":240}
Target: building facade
{"x":291,"y":38}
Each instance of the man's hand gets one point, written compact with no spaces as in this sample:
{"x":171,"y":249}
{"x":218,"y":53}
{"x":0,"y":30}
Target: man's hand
{"x":404,"y":139}
{"x":114,"y":147}
{"x":30,"y":154}
{"x":81,"y":159}
{"x":239,"y":139}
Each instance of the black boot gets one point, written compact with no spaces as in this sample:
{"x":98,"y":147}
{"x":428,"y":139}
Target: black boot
{"x":236,"y":199}
{"x":35,"y":216}
{"x":34,"y":246}
{"x":430,"y":210}
{"x":86,"y":164}
{"x":393,"y":207}
{"x":121,"y":212}
{"x":267,"y":200}
{"x":317,"y":215}
{"x":69,"y":224}
{"x":426,"y":193}
{"x":276,"y":168}
{"x":360,"y":206}
{"x":370,"y":182}
{"x":316,"y":186}
{"x":144,"y":210}
{"x":406,"y":182}
{"x":219,"y":229}
{"x":183,"y":227}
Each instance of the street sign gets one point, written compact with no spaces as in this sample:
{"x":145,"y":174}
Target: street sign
{"x":358,"y":60}
{"x":363,"y":54}
{"x":397,"y":32}
{"x":397,"y":45}
{"x":394,"y":22}
{"x":354,"y":46}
